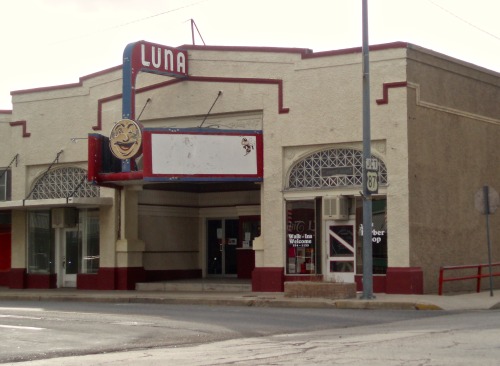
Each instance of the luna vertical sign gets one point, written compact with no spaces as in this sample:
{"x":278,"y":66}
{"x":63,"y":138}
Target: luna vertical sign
{"x":153,"y":58}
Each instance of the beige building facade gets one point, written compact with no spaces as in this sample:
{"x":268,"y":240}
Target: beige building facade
{"x":73,"y":215}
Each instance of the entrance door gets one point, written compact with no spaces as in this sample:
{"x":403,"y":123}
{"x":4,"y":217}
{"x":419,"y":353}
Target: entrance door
{"x":340,"y":251}
{"x":222,"y":240}
{"x":70,"y":258}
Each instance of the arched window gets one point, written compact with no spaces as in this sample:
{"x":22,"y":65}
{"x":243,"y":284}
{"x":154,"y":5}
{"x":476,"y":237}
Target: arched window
{"x":331,"y":168}
{"x":63,"y":183}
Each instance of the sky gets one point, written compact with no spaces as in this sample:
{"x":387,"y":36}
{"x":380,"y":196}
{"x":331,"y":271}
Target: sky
{"x":55,"y":42}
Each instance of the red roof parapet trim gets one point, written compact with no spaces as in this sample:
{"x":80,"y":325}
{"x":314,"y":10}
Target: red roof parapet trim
{"x":385,"y":90}
{"x":23,"y":124}
{"x":66,"y":86}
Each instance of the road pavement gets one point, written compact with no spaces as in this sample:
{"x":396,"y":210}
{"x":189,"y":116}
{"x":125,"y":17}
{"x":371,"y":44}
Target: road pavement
{"x":455,"y":338}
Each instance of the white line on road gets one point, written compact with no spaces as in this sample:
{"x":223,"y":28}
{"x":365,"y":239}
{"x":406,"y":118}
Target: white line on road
{"x":18,"y":327}
{"x":20,"y":317}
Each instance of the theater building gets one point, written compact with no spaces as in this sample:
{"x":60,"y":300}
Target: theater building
{"x":246,"y":162}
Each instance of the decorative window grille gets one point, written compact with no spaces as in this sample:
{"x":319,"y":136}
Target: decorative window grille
{"x":62,"y":183}
{"x":332,"y":168}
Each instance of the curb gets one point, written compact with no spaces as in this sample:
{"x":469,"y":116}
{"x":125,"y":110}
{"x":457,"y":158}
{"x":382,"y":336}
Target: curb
{"x":387,"y":305}
{"x":233,"y":301}
{"x":424,"y":306}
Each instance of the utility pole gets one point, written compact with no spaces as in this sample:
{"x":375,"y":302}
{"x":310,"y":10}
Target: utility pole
{"x":368,"y":189}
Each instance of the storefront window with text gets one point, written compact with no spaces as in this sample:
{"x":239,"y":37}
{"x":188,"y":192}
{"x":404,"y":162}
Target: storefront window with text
{"x":301,"y":237}
{"x":379,"y":234}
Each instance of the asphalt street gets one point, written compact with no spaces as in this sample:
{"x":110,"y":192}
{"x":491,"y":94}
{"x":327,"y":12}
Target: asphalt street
{"x":445,"y":338}
{"x":36,"y":330}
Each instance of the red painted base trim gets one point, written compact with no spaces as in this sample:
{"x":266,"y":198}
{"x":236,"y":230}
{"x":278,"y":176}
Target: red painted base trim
{"x":17,"y":278}
{"x":268,"y":279}
{"x":405,"y":280}
{"x":379,"y":283}
{"x":127,"y":277}
{"x":245,"y":262}
{"x":5,"y":278}
{"x":41,"y":281}
{"x":89,"y":282}
{"x":111,"y":279}
{"x":104,"y":280}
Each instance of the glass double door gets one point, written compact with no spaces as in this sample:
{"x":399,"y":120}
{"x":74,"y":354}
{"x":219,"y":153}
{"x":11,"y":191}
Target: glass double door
{"x":222,"y":241}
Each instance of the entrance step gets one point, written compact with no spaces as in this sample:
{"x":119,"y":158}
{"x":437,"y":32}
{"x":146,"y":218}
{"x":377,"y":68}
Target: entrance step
{"x":200,"y":285}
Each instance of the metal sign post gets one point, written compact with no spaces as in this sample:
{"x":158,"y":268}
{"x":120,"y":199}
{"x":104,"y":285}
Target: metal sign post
{"x":486,"y":202}
{"x":367,"y":203}
{"x":487,"y":214}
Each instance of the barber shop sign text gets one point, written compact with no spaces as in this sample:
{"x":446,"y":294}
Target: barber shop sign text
{"x":377,"y":235}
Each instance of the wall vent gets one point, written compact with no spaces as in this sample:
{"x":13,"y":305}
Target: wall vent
{"x":335,"y":208}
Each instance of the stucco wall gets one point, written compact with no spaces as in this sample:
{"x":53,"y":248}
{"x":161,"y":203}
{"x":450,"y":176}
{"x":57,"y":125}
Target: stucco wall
{"x":325,"y":99}
{"x":454,"y":149}
{"x":171,"y":242}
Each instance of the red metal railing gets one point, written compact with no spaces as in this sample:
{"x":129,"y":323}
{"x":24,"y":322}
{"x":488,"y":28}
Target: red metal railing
{"x":477,"y":276}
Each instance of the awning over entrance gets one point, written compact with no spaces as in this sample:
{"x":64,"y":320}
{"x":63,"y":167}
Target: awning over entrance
{"x":80,"y":202}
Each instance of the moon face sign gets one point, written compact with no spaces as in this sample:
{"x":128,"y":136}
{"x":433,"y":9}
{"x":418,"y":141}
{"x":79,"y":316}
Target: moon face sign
{"x":125,"y":139}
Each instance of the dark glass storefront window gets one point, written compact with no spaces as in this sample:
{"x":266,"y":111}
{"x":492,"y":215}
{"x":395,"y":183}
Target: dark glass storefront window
{"x":301,"y":237}
{"x":379,"y":234}
{"x":81,"y":243}
{"x":90,"y":247}
{"x":40,"y":243}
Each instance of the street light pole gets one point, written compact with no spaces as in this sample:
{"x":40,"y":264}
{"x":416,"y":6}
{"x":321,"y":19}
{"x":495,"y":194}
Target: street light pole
{"x":367,"y":203}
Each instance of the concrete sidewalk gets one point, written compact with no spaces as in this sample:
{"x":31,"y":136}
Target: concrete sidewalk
{"x":471,"y":301}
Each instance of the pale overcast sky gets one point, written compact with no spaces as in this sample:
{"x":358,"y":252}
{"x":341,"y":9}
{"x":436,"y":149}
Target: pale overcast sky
{"x":53,"y":42}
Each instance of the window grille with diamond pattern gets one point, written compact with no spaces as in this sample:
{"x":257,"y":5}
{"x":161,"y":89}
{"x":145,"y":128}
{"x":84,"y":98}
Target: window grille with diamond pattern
{"x":62,"y":183}
{"x":332,"y":168}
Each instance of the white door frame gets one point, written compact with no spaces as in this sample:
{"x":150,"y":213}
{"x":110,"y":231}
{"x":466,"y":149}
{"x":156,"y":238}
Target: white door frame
{"x":345,"y":262}
{"x":64,"y":279}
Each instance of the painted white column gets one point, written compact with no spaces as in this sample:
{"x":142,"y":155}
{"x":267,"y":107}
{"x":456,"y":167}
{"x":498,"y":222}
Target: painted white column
{"x":129,"y":248}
